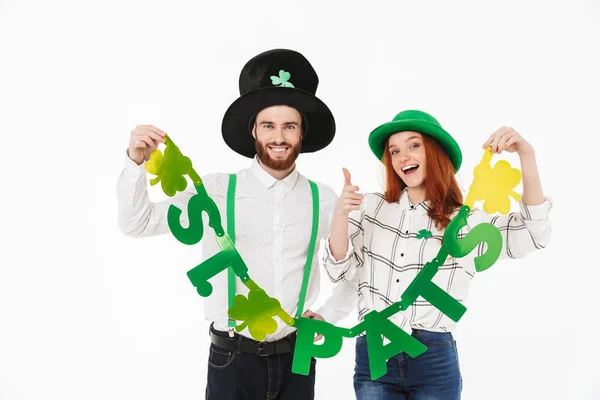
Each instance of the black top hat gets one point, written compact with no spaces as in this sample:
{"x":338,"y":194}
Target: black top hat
{"x":278,"y":77}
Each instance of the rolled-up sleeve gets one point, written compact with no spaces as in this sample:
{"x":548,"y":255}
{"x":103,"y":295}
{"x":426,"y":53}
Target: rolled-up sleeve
{"x":346,"y":268}
{"x":522,"y":232}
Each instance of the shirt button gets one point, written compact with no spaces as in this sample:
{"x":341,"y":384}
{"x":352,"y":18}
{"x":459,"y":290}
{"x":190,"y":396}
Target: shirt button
{"x":397,"y":280}
{"x":401,"y":254}
{"x":407,"y":232}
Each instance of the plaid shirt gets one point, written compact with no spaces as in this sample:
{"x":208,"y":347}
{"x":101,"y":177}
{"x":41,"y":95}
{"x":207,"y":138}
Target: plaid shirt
{"x":385,"y":255}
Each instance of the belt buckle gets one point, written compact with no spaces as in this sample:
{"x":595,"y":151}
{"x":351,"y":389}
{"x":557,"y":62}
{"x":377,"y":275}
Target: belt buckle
{"x":259,"y":350}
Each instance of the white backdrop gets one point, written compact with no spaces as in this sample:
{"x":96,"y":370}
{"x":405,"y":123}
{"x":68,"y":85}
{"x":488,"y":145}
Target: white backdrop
{"x":88,"y":313}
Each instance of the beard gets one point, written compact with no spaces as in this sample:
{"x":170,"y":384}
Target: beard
{"x":262,"y":152}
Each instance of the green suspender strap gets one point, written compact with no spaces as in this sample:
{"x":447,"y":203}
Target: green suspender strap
{"x":311,"y":248}
{"x":231,"y":233}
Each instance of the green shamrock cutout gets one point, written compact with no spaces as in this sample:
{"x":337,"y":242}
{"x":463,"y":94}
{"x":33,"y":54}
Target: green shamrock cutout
{"x":424,"y":234}
{"x":169,"y":168}
{"x":257,"y":312}
{"x":282,"y":79}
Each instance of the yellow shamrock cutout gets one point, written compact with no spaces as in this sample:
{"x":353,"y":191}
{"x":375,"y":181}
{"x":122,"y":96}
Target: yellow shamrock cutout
{"x":493,"y":185}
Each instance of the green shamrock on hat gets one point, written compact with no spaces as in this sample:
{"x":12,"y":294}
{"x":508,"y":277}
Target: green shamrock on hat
{"x":282,"y":79}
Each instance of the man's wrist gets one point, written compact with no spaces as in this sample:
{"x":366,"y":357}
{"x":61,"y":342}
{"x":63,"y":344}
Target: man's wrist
{"x":132,"y":159}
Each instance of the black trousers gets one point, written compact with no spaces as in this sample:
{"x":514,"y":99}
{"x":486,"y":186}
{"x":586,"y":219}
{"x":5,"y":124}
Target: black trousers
{"x":236,"y":375}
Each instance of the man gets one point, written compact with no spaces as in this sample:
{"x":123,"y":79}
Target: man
{"x":277,"y":117}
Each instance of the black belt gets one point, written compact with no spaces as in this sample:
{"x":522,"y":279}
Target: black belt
{"x":241,"y":344}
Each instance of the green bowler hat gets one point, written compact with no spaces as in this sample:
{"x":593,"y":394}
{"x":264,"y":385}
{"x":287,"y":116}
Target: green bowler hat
{"x":417,"y":121}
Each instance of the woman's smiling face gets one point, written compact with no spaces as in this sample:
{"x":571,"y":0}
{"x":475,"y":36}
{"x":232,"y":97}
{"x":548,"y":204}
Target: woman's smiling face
{"x":408,"y":157}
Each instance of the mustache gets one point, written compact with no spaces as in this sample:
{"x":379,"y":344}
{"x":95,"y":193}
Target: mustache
{"x":278,"y":144}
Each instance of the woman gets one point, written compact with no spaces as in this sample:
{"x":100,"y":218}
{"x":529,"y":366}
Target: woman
{"x":383,"y":240}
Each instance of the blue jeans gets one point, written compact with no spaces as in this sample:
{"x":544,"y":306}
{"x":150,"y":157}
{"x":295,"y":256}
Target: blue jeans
{"x":434,"y":375}
{"x":247,"y":376}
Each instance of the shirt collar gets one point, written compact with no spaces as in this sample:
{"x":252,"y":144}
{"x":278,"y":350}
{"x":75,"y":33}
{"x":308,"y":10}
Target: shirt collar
{"x":269,"y":180}
{"x":405,"y":202}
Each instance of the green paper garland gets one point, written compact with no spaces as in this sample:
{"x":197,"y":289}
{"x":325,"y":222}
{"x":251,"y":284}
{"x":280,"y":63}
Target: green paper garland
{"x":258,"y":310}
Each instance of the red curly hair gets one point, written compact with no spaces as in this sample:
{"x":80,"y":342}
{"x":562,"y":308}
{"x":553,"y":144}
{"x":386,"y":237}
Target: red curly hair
{"x":441,"y":188}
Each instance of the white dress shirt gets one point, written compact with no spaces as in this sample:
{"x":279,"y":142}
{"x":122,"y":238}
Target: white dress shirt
{"x":273,"y":225}
{"x":385,"y":255}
